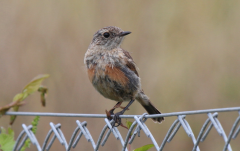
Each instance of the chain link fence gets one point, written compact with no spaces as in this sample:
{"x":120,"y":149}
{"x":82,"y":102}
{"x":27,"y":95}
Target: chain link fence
{"x":137,"y":126}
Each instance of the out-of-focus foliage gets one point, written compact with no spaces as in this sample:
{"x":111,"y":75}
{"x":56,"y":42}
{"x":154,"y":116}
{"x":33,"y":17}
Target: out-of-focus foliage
{"x":43,"y":91}
{"x":144,"y":148}
{"x":187,"y":52}
{"x":6,"y":139}
{"x":129,"y":124}
{"x":31,"y":87}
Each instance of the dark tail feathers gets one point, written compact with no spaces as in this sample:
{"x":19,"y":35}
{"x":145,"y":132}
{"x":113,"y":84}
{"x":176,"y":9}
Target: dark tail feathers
{"x":149,"y":107}
{"x":152,"y":110}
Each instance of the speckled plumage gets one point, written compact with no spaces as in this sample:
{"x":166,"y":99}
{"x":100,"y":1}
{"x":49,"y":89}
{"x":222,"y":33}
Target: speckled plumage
{"x":112,"y":70}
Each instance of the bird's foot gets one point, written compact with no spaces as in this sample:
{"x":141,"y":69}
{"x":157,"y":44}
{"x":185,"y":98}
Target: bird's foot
{"x":110,"y":113}
{"x":117,"y":120}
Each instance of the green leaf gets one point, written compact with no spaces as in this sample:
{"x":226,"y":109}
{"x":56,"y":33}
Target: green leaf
{"x":10,"y":132}
{"x":27,"y":144}
{"x":12,"y":119}
{"x":129,"y":124}
{"x":144,"y":148}
{"x":7,"y":139}
{"x":34,"y":85}
{"x":43,"y":92}
{"x":18,"y":97}
{"x":35,"y":124}
{"x":31,"y":87}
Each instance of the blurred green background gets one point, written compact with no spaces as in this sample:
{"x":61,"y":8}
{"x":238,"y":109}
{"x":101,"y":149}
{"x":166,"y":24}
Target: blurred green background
{"x":187,"y":52}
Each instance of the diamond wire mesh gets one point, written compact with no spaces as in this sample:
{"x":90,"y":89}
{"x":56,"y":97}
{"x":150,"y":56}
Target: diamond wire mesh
{"x":82,"y":130}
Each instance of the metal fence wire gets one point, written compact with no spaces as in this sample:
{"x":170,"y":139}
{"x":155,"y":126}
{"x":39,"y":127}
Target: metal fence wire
{"x":82,"y":131}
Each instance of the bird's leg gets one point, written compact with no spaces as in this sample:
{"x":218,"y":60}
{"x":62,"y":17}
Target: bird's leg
{"x":118,"y":105}
{"x":109,"y":113}
{"x":116,"y":117}
{"x":115,"y":106}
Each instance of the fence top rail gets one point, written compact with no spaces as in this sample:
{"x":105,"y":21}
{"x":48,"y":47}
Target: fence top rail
{"x":230,"y":109}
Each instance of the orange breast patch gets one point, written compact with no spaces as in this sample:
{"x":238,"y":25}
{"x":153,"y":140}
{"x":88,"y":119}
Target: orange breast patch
{"x":91,"y":72}
{"x":116,"y":74}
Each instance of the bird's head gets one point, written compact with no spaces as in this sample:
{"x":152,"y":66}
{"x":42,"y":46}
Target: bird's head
{"x":109,"y":37}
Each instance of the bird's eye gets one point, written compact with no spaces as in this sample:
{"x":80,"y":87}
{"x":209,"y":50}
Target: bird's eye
{"x":106,"y":34}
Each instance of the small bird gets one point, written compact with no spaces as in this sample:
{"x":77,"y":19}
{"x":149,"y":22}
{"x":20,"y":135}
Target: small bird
{"x":113,"y":73}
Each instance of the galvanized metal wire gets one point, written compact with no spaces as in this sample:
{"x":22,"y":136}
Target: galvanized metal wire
{"x":138,"y":125}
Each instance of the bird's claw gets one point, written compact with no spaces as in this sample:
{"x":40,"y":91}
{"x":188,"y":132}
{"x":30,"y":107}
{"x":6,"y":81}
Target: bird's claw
{"x":117,"y":120}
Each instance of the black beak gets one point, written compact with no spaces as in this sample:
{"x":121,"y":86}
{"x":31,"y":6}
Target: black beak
{"x":124,"y":33}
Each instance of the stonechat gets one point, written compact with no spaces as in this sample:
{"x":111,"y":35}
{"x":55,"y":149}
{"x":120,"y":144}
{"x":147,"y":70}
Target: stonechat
{"x":113,"y":72}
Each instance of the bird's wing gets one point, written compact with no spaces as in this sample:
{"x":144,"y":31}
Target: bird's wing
{"x":130,"y":63}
